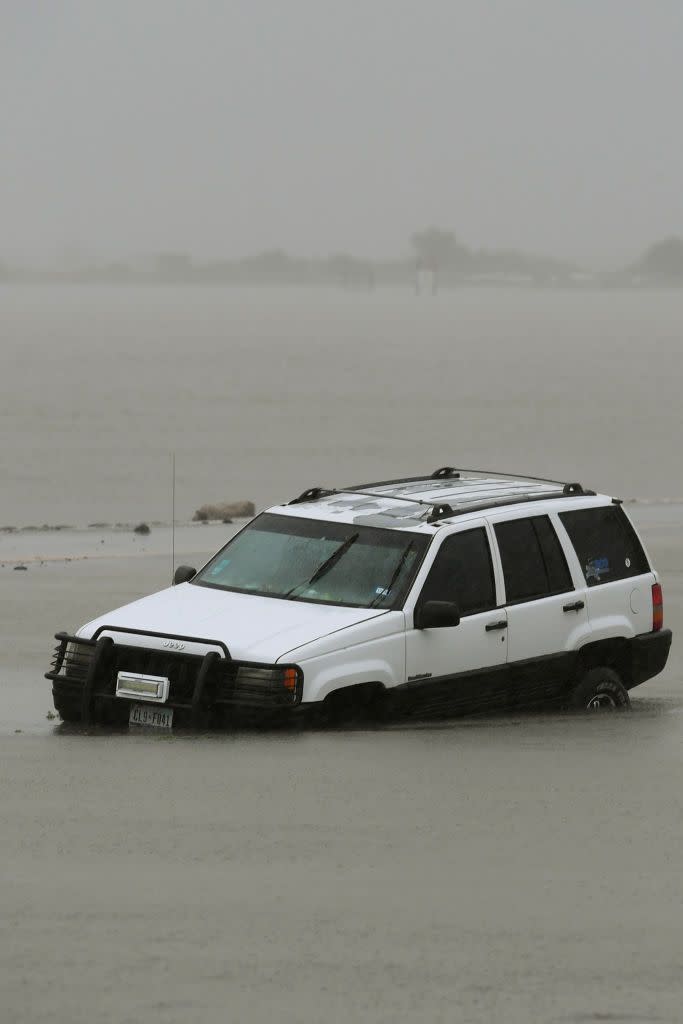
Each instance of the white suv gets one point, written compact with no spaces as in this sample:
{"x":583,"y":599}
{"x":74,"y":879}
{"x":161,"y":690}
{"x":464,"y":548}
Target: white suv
{"x":462,"y":591}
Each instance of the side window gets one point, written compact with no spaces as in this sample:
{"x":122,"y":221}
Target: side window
{"x":606,"y":544}
{"x":533,"y":561}
{"x":462,"y":572}
{"x":559,"y":577}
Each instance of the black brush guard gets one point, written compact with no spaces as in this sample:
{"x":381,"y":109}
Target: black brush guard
{"x":204,"y":689}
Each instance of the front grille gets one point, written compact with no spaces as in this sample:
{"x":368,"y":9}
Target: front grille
{"x":181,"y":670}
{"x":197,"y":683}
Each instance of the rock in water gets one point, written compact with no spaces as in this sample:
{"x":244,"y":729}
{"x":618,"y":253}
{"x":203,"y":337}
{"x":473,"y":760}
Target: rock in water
{"x":225,"y":510}
{"x":142,"y":528}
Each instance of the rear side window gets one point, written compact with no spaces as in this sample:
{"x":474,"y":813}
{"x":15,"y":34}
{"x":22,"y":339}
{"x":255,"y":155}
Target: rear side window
{"x":533,"y":561}
{"x":606,"y":544}
{"x":462,"y":572}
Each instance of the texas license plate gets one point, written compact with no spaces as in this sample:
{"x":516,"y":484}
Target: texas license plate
{"x":156,"y":718}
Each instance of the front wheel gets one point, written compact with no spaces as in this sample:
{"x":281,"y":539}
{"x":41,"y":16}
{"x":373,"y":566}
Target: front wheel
{"x":600,"y":689}
{"x":69,"y":711}
{"x":355,"y":705}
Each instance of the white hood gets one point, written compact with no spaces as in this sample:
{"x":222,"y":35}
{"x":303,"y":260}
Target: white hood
{"x":252,"y":628}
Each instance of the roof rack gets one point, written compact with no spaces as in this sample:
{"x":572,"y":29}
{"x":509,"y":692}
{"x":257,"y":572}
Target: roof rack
{"x":444,"y":510}
{"x":451,"y":473}
{"x":447,"y":511}
{"x":314,"y":493}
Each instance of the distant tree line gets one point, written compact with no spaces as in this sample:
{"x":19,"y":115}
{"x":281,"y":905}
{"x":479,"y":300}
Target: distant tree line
{"x":436,"y":253}
{"x":663,"y":260}
{"x":441,"y":253}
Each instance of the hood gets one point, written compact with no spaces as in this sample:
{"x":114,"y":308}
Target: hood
{"x":253,"y":628}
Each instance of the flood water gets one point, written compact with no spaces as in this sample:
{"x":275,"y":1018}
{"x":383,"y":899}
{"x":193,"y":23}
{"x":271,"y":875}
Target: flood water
{"x":508,"y":869}
{"x":262,"y":393}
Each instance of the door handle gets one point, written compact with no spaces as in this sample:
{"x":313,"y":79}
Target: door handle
{"x":501,"y":624}
{"x":576,"y":606}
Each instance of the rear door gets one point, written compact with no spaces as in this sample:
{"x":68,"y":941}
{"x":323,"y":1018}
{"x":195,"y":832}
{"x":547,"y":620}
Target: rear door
{"x":617,"y":574}
{"x":546,"y":608}
{"x":459,"y":667}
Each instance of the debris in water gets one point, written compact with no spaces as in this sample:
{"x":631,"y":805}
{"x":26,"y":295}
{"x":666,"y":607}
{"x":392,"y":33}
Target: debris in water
{"x":18,"y":567}
{"x":225,"y":510}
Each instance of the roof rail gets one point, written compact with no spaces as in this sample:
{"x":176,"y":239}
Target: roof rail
{"x":520,"y":476}
{"x":312,"y":494}
{"x":442,"y":510}
{"x":453,"y":473}
{"x":446,"y":511}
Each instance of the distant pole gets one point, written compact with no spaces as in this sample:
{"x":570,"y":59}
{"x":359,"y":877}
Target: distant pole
{"x":172,"y":515}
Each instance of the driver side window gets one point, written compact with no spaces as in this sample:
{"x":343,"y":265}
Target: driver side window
{"x":462,"y":572}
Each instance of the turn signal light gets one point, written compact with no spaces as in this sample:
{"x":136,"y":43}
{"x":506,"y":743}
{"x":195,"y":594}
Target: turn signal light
{"x":657,"y":607}
{"x":289,"y":679}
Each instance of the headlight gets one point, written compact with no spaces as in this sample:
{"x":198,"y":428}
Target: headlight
{"x":77,"y":660}
{"x":285,"y":680}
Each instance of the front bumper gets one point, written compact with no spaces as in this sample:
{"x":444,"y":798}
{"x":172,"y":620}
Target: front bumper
{"x":204,"y":690}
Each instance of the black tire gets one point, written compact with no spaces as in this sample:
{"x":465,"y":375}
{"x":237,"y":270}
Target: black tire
{"x":354,"y":705}
{"x":68,"y":710}
{"x":600,"y":689}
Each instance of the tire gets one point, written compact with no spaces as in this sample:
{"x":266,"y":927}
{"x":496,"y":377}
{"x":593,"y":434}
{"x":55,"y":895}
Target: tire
{"x":354,"y":705}
{"x":600,"y":689}
{"x":68,"y":711}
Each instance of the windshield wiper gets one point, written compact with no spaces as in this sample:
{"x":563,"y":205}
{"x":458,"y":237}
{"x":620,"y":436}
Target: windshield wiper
{"x":328,"y":564}
{"x":397,"y":572}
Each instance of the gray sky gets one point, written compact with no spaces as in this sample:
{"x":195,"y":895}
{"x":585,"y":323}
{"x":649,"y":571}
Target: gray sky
{"x":319,"y":125}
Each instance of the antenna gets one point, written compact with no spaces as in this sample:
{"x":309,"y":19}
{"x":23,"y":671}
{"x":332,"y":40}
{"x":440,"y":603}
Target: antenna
{"x":172,"y":515}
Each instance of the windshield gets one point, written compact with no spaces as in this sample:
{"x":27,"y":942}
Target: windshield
{"x":311,"y":560}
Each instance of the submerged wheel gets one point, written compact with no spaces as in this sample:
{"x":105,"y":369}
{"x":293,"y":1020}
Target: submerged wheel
{"x":361,"y":704}
{"x":600,"y":689}
{"x":68,"y":710}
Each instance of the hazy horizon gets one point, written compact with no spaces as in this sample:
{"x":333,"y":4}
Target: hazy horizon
{"x":226,"y":129}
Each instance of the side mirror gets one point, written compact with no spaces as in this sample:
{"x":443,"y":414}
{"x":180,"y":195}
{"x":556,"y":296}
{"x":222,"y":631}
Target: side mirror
{"x":183,"y":573}
{"x":436,"y":615}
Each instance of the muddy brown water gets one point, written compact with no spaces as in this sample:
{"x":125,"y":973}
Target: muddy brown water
{"x":507,"y":869}
{"x":262,"y":393}
{"x":512,"y":869}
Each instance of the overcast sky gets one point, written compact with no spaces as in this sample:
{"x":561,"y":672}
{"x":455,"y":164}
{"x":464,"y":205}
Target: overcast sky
{"x":227,"y":126}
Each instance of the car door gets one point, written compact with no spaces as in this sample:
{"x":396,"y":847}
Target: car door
{"x":614,"y":565}
{"x":458,"y":668}
{"x":546,"y":611}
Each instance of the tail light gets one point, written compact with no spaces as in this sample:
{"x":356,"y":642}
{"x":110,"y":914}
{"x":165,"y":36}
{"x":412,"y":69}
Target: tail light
{"x":657,"y":607}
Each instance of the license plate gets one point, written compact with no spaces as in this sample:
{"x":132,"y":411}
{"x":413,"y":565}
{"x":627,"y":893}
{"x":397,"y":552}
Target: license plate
{"x":155,"y":718}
